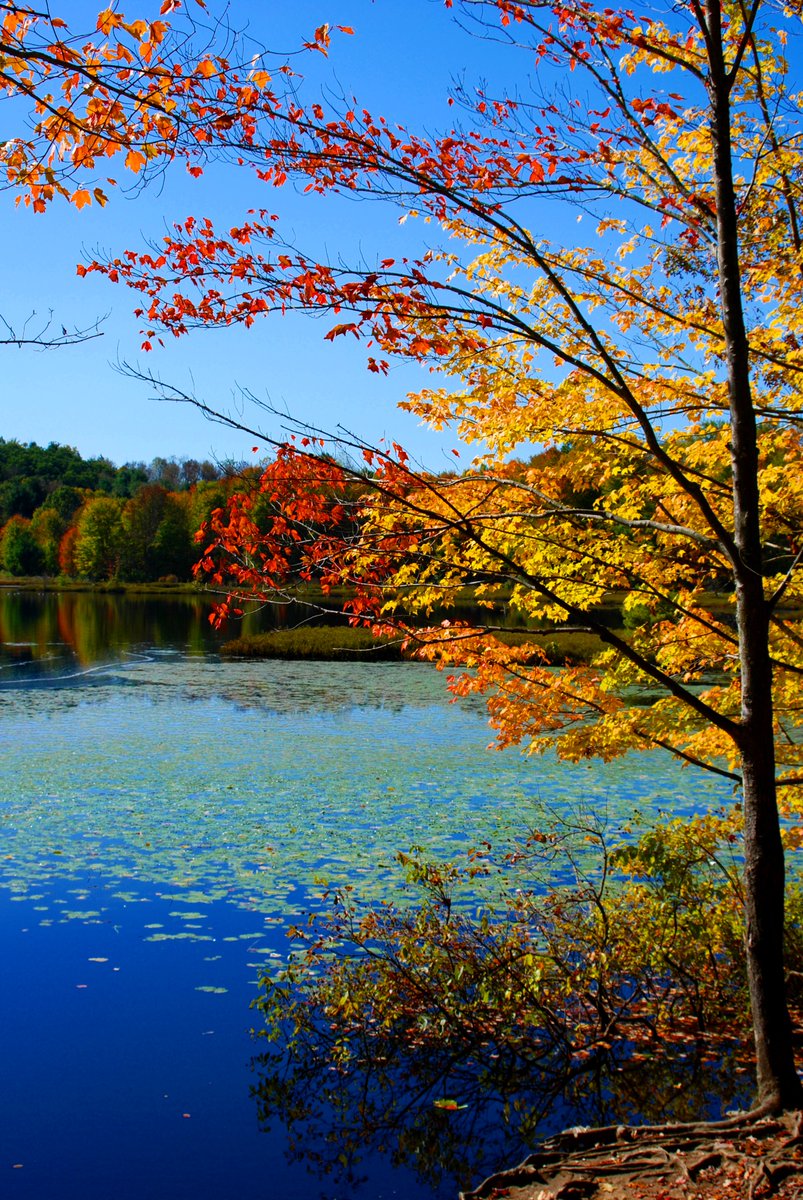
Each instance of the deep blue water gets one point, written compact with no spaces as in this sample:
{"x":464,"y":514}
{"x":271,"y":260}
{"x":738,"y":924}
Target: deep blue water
{"x":164,"y":817}
{"x":120,"y":1078}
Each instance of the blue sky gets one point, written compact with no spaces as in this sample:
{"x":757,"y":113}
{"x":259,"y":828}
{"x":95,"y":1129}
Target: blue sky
{"x":400,"y":63}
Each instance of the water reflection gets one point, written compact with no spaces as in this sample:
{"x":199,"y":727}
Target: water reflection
{"x":47,"y":635}
{"x":207,"y":787}
{"x":455,"y":1116}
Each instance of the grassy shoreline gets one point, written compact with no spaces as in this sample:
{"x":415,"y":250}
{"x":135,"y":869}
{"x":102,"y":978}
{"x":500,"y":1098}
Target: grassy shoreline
{"x":307,"y":594}
{"x":45,"y":583}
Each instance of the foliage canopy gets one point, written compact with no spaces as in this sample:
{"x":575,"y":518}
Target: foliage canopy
{"x":661,"y":355}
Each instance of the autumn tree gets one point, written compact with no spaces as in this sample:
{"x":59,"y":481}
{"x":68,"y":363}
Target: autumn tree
{"x":19,"y":551}
{"x":130,"y":96}
{"x":657,"y":364}
{"x":156,"y":536}
{"x":66,"y":552}
{"x":141,"y":518}
{"x":98,"y":543}
{"x":48,"y":527}
{"x":128,"y":93}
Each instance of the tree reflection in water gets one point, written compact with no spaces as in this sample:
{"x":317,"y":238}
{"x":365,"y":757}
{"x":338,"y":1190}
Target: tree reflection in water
{"x":44,"y":635}
{"x":451,"y":1043}
{"x":456,"y":1119}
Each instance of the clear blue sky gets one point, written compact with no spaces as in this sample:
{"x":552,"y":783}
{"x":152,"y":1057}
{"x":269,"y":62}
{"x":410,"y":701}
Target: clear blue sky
{"x":399,"y":63}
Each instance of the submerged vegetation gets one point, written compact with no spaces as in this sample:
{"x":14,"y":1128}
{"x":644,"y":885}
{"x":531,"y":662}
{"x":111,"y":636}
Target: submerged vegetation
{"x":585,"y":975}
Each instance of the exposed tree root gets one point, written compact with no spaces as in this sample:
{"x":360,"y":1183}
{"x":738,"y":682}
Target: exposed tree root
{"x":750,"y":1156}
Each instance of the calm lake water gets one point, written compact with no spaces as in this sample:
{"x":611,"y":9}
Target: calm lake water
{"x":164,"y":817}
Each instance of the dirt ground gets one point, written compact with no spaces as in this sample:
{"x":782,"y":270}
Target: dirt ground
{"x":746,"y":1158}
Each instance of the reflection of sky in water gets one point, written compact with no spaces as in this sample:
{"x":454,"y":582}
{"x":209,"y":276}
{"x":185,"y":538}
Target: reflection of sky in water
{"x":158,"y":830}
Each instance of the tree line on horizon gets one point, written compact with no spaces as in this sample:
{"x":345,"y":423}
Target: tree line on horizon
{"x":64,"y":515}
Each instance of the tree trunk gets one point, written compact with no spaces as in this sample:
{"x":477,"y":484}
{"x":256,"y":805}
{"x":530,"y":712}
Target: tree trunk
{"x":778,"y":1083}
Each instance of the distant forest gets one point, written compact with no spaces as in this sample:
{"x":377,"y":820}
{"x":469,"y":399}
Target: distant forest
{"x":64,"y":515}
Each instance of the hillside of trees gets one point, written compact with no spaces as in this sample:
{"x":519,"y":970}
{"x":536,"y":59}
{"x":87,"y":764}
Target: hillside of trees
{"x":64,"y":515}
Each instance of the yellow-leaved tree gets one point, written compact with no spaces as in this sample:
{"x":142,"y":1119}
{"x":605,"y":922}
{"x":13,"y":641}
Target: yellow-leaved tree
{"x":655,"y":367}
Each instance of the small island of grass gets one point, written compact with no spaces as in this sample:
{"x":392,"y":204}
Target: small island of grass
{"x":331,"y":643}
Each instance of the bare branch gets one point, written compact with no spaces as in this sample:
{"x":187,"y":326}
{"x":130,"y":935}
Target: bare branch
{"x":45,"y":333}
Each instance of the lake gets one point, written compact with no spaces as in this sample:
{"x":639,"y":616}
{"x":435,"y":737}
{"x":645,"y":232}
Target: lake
{"x":166,"y":816}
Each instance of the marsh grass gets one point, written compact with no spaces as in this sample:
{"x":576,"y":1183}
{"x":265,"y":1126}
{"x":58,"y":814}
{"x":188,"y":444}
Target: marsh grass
{"x":560,"y":648}
{"x":333,"y":643}
{"x":330,"y":643}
